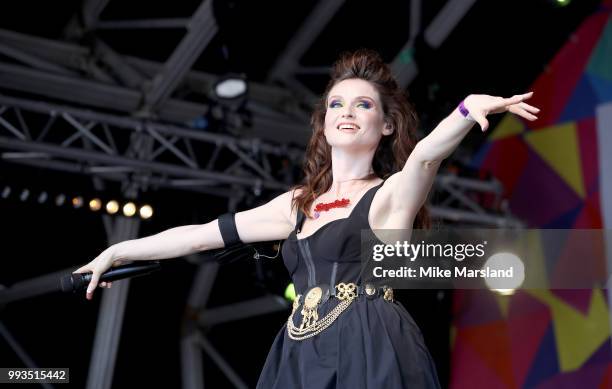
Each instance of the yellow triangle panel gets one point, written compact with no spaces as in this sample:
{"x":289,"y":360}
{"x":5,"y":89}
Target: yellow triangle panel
{"x":577,"y":336}
{"x":558,"y":146}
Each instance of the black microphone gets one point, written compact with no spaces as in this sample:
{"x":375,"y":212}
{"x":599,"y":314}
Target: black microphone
{"x":78,"y":281}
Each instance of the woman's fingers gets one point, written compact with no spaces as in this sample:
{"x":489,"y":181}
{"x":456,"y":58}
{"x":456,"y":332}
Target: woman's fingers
{"x":529,"y":108}
{"x":516,"y":99}
{"x":527,"y":95}
{"x":518,"y":110}
{"x":95,"y":277}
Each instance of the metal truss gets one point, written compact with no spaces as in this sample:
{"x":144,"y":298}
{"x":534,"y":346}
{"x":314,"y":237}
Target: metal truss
{"x":199,"y":319}
{"x":461,"y":205}
{"x":181,"y":158}
{"x":287,"y":66}
{"x":102,"y":79}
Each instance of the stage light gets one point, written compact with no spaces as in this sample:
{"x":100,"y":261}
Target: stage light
{"x":504,"y":292}
{"x":60,"y":199}
{"x":24,"y":195}
{"x":230,"y":87}
{"x":146,"y":212}
{"x":42,"y":197}
{"x":6,"y":192}
{"x":95,"y":204}
{"x":129,"y":209}
{"x":112,"y":207}
{"x":77,"y":202}
{"x":290,"y":292}
{"x":505,"y":262}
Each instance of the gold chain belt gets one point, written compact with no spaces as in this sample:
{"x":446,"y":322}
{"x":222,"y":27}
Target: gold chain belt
{"x":311,"y":325}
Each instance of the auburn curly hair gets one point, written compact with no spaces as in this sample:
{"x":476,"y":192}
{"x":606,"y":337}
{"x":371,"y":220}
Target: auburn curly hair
{"x":393,"y":150}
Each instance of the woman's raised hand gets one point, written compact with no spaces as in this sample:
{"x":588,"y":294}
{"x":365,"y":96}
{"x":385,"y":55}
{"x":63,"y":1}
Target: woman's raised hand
{"x":102,"y":263}
{"x":482,"y":105}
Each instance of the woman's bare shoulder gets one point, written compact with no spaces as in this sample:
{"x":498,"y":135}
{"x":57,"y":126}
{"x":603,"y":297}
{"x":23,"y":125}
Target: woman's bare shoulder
{"x":284,"y":204}
{"x":293,"y":193}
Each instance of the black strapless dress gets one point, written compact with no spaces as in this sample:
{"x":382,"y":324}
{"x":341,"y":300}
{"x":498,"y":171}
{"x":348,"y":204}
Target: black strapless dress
{"x":372,"y":344}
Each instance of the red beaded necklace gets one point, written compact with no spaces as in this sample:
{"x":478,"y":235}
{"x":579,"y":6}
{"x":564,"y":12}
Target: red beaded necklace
{"x":341,"y":203}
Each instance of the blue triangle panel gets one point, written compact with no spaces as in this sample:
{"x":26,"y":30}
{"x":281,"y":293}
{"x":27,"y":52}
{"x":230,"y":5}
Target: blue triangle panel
{"x":602,"y":88}
{"x":582,"y":103}
{"x":566,"y":220}
{"x":545,"y":363}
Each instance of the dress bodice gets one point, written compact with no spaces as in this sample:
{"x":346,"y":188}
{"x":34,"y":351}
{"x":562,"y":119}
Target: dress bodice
{"x":332,"y":254}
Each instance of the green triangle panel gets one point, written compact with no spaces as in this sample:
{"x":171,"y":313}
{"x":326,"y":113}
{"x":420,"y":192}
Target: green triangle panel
{"x":599,"y":63}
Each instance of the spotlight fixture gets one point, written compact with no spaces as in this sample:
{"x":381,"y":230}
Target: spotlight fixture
{"x":77,"y":201}
{"x":230,"y":87}
{"x":129,"y":209}
{"x":146,"y":212}
{"x":42,"y":197}
{"x":95,"y":204}
{"x":24,"y":195}
{"x":6,"y":192}
{"x":112,"y":207}
{"x":60,"y":199}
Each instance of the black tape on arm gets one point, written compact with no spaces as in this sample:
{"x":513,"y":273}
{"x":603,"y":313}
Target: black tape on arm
{"x":229,"y":232}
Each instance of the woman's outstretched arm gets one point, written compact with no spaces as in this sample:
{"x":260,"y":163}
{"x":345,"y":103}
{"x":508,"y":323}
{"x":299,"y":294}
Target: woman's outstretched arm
{"x":271,"y":221}
{"x":407,"y":190}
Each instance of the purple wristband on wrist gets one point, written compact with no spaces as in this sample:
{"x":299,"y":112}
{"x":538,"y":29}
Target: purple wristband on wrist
{"x":464,"y":111}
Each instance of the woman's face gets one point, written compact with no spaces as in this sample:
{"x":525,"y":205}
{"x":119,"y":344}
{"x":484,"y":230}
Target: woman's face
{"x":354,"y":116}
